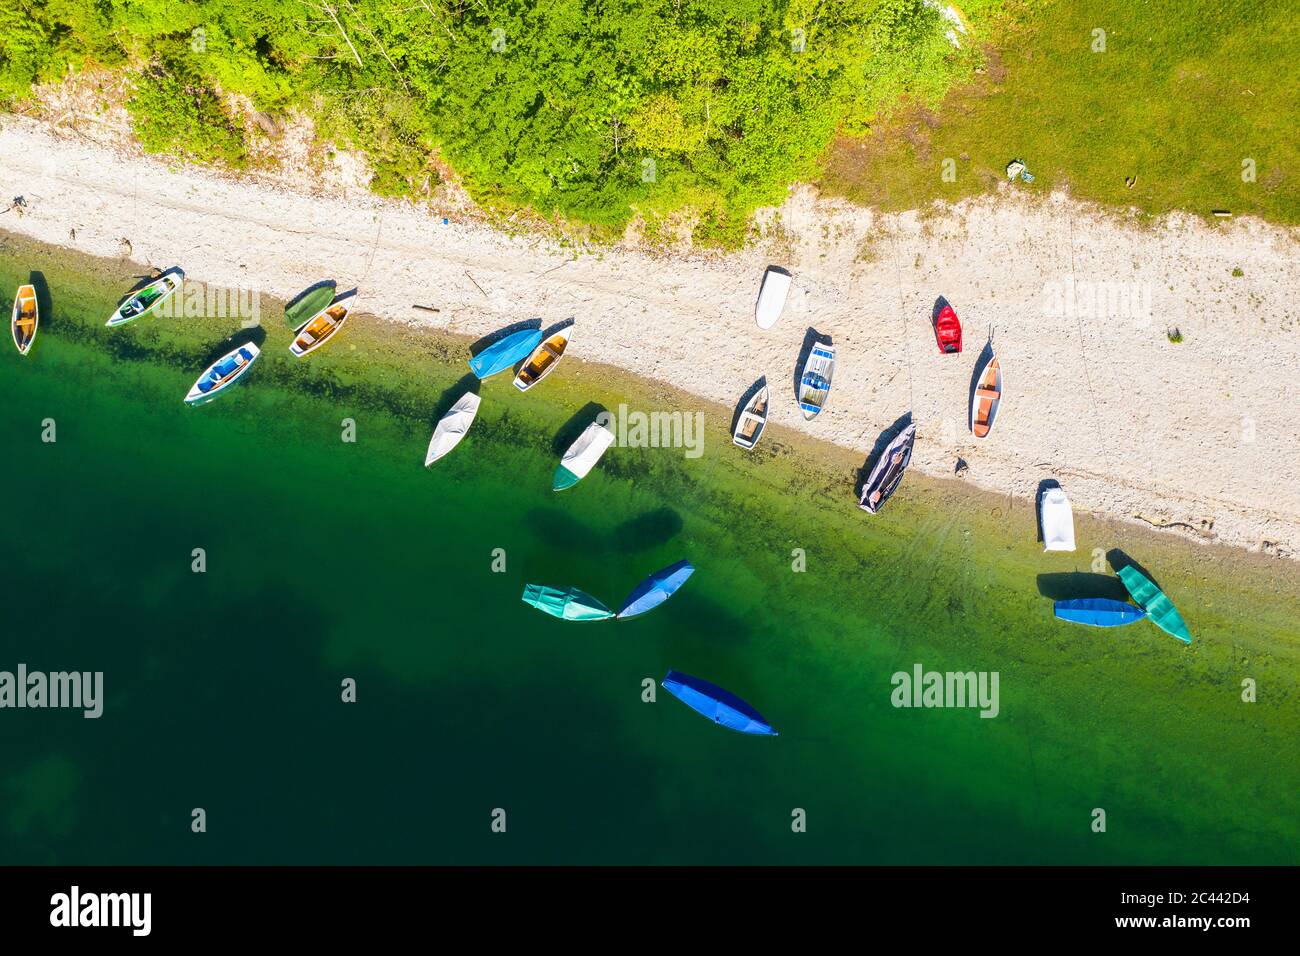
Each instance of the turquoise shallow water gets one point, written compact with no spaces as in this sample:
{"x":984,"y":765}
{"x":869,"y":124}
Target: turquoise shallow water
{"x":329,"y":559}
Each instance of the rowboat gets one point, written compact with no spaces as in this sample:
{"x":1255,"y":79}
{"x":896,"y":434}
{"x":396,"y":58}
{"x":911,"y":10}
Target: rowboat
{"x":582,"y":456}
{"x":888,"y":472}
{"x":543,"y":360}
{"x":148,"y":298}
{"x":322,"y":326}
{"x":947,"y":331}
{"x":222,"y":374}
{"x":771,"y":297}
{"x":815,"y":381}
{"x":749,"y":427}
{"x":504,"y":353}
{"x":720,"y":706}
{"x":987,"y":398}
{"x":568,"y":604}
{"x":1057,"y":520}
{"x":25,"y":319}
{"x":1098,"y":612}
{"x":1154,"y":601}
{"x":452,"y":427}
{"x":656,"y":589}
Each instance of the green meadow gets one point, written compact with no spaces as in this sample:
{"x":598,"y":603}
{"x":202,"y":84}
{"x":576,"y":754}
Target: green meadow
{"x":1193,"y":101}
{"x":328,"y":559}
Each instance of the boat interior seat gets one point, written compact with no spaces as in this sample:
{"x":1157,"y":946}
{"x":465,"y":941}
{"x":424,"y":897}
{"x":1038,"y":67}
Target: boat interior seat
{"x":988,"y":393}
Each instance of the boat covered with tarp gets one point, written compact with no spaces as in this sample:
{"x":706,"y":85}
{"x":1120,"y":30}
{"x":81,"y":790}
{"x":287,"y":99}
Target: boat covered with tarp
{"x":888,"y":472}
{"x":1156,"y":603}
{"x":656,"y":589}
{"x":505,"y":353}
{"x":720,"y":706}
{"x":1057,"y":519}
{"x":568,"y":604}
{"x":1098,"y":612}
{"x":582,"y":456}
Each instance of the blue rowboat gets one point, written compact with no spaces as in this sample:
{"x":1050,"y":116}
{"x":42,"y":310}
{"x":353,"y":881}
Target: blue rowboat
{"x":720,"y":706}
{"x":222,"y":374}
{"x":656,"y":589}
{"x":1099,"y":612}
{"x":505,"y":353}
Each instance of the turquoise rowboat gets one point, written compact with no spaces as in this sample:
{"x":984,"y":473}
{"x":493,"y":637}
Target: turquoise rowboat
{"x":505,"y":353}
{"x":1159,"y":608}
{"x":568,"y":604}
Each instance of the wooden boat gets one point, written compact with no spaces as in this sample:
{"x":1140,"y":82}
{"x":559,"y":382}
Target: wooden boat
{"x":947,"y":331}
{"x":222,"y":374}
{"x":987,"y":398}
{"x":771,"y":297}
{"x":543,"y":360}
{"x":452,"y":427}
{"x":1098,"y":612}
{"x":323,"y":326}
{"x":582,"y":456}
{"x":25,"y":319}
{"x":147,"y":298}
{"x":1057,"y":519}
{"x":505,"y":353}
{"x":750,"y":425}
{"x":888,"y":472}
{"x":1154,"y":601}
{"x":720,"y":706}
{"x":815,"y":380}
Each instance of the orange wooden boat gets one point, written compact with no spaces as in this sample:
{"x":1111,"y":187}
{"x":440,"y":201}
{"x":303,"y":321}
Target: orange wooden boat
{"x":987,"y":398}
{"x":25,"y":319}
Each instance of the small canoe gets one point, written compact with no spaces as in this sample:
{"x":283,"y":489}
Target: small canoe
{"x":720,"y":706}
{"x":1058,"y":521}
{"x":888,"y":472}
{"x":25,"y":319}
{"x":947,"y":331}
{"x":1098,"y":612}
{"x":543,"y":360}
{"x":505,"y":353}
{"x":656,"y":589}
{"x":987,"y":398}
{"x":452,"y":427}
{"x":322,"y":326}
{"x":1154,"y":601}
{"x":582,"y":456}
{"x":749,"y":427}
{"x":771,"y":297}
{"x":148,"y":298}
{"x":568,"y":604}
{"x":222,"y":374}
{"x":815,"y":380}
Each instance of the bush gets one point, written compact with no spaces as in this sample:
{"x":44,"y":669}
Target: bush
{"x":183,"y":118}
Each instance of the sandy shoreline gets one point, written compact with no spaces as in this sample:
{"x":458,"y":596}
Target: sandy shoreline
{"x":1200,"y":436}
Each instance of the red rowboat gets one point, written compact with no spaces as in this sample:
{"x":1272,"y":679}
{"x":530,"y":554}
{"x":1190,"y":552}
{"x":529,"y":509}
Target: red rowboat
{"x":947,"y":331}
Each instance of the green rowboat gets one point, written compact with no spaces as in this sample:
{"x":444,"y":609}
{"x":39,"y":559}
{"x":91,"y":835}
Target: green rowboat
{"x":1159,"y":608}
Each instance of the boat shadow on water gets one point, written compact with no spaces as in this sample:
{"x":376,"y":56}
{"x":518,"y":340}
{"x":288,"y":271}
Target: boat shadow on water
{"x":811,"y":337}
{"x":646,"y":531}
{"x":878,"y":449}
{"x":556,"y":527}
{"x":1044,"y":486}
{"x":745,"y":399}
{"x":1072,"y":585}
{"x":568,"y":432}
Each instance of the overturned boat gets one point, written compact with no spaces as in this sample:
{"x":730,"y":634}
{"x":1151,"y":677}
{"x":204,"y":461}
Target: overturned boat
{"x":1098,"y":612}
{"x":582,"y":456}
{"x":720,"y":706}
{"x":1159,"y":608}
{"x":568,"y":604}
{"x":452,"y":427}
{"x":656,"y":589}
{"x":505,"y":353}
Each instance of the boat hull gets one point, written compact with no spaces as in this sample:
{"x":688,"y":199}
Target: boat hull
{"x":1098,"y":612}
{"x":656,"y":589}
{"x":568,"y":604}
{"x":947,"y":331}
{"x":986,"y":402}
{"x":229,"y":370}
{"x":505,"y":353}
{"x":1057,"y":519}
{"x":815,"y":381}
{"x":452,"y":427}
{"x":753,"y":421}
{"x":542,"y":361}
{"x":771,"y":297}
{"x":323,"y":326}
{"x":1156,"y":603}
{"x":582,"y":456}
{"x":888,"y":472}
{"x":720,"y":706}
{"x":154,"y":294}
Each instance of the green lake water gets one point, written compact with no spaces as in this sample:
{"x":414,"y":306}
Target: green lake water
{"x":328,"y":559}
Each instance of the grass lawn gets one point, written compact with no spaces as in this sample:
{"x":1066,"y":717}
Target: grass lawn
{"x":1183,"y":92}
